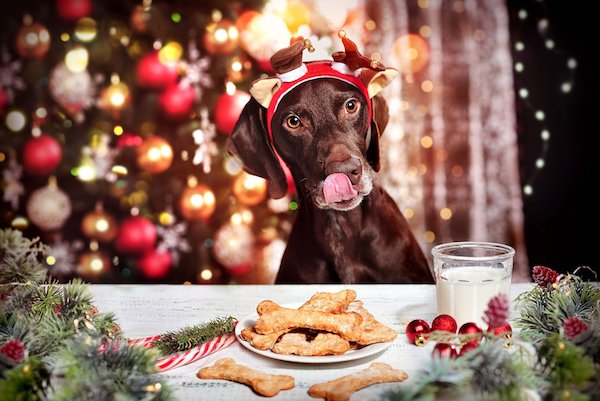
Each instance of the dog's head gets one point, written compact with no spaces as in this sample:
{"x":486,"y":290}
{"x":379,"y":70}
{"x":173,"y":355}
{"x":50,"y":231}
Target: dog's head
{"x":324,"y":125}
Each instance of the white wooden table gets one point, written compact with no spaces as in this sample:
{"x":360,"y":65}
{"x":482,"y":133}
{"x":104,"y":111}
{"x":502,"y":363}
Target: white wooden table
{"x":145,"y":310}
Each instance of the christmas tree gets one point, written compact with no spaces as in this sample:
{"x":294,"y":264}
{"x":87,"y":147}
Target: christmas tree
{"x":115,"y":117}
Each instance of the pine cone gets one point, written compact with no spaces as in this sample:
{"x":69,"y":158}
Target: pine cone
{"x":573,"y":327}
{"x":14,"y":350}
{"x":498,"y":310}
{"x":544,"y":276}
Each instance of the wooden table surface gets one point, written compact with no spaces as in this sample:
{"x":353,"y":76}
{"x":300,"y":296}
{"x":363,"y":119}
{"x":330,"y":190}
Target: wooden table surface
{"x":146,"y":310}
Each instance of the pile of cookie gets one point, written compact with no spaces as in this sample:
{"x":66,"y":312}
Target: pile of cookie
{"x":327,"y":324}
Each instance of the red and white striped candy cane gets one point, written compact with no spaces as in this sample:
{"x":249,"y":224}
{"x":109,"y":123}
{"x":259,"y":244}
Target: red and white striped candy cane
{"x":185,"y":357}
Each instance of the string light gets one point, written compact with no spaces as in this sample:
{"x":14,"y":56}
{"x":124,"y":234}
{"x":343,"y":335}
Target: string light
{"x":566,"y":86}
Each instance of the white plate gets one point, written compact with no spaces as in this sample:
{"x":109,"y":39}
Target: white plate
{"x":249,"y":321}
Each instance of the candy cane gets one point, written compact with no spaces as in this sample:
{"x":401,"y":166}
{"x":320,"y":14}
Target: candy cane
{"x":185,"y":357}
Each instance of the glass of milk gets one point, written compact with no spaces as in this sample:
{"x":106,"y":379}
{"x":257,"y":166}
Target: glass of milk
{"x":467,"y":275}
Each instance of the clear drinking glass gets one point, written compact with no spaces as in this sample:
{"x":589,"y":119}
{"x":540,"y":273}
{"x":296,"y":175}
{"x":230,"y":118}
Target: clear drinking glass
{"x":468,"y":275}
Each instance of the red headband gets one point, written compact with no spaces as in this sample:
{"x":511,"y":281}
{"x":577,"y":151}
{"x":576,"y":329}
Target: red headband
{"x":308,"y":72}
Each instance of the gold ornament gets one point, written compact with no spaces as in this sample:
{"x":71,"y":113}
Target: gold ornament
{"x":197,"y":202}
{"x":99,"y":225}
{"x":221,"y":37}
{"x":115,"y":96}
{"x":155,"y":154}
{"x":249,"y":189}
{"x":93,"y":263}
{"x":239,"y":68}
{"x":32,"y":40}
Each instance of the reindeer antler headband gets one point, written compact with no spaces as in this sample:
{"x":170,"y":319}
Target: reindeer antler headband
{"x":367,"y":75}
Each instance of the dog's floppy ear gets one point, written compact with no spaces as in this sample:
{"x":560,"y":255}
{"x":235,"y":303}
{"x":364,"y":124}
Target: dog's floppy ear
{"x":380,"y":120}
{"x":250,"y":142}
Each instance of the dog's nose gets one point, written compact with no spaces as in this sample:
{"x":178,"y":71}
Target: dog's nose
{"x":351,"y":166}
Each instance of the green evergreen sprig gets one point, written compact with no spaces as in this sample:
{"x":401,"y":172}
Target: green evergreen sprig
{"x":193,"y":336}
{"x":62,"y":333}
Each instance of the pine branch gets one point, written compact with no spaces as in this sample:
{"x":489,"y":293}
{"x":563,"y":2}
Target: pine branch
{"x":28,"y":381}
{"x":441,"y":375}
{"x":193,"y":336}
{"x":119,"y":372}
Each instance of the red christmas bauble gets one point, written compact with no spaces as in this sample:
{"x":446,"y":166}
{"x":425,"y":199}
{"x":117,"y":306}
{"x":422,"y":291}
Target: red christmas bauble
{"x":177,"y":100}
{"x":129,"y":139}
{"x":153,"y":74}
{"x":72,"y":10}
{"x":468,"y":347}
{"x":417,"y":332}
{"x":136,"y":236}
{"x":444,"y":323}
{"x":470,"y":328}
{"x":444,"y":350}
{"x":155,"y":264}
{"x":41,"y":155}
{"x":504,"y":328}
{"x":228,"y":109}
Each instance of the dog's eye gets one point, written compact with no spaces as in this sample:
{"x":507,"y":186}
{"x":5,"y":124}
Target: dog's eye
{"x":352,"y":106}
{"x":293,"y":122}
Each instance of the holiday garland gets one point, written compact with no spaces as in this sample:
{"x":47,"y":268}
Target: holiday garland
{"x":556,"y":353}
{"x":54,"y":343}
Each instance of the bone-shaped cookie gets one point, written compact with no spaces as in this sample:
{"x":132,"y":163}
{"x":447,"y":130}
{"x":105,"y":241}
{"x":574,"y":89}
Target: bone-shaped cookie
{"x":371,"y":330}
{"x":341,"y":389}
{"x":322,"y":344}
{"x":347,"y":325}
{"x":262,"y":383}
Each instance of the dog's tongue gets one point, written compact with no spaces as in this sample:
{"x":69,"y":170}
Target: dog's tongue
{"x":337,"y":187}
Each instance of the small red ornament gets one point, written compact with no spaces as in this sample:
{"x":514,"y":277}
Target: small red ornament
{"x":239,"y":270}
{"x":177,"y":100}
{"x":13,"y":350}
{"x":155,"y":264}
{"x":470,"y":328}
{"x":444,"y":323}
{"x":503,"y":328}
{"x":151,"y":73}
{"x":129,"y":139}
{"x":444,"y":350}
{"x":72,"y":10}
{"x":136,"y":236}
{"x":468,"y":347}
{"x":228,"y":109}
{"x":41,"y":155}
{"x":417,"y":332}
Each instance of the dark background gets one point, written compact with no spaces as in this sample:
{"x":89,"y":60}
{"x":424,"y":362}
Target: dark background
{"x":559,"y":215}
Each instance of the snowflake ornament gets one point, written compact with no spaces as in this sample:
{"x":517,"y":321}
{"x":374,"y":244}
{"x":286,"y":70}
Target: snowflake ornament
{"x":13,"y":188}
{"x":65,"y":256}
{"x":172,"y":239}
{"x":102,"y":158}
{"x":196,"y":70}
{"x":204,"y":138}
{"x":10,"y":79}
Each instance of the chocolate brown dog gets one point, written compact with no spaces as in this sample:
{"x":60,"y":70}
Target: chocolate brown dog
{"x":323,"y":121}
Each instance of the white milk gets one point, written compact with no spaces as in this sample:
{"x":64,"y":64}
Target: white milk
{"x":464,"y":292}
